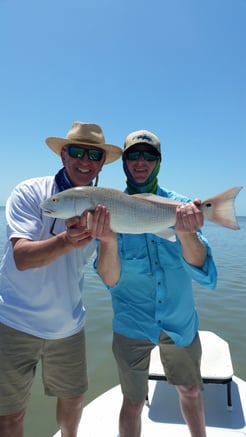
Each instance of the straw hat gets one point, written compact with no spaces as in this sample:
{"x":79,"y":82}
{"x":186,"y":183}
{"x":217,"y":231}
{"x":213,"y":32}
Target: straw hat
{"x":85,"y":134}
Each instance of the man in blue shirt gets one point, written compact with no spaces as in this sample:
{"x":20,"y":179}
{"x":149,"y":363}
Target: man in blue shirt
{"x":150,"y":280}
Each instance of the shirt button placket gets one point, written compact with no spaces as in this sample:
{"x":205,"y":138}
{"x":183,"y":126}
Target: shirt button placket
{"x":159,"y":297}
{"x":158,"y":275}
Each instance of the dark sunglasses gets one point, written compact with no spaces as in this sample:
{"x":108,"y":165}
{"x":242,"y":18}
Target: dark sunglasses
{"x":148,"y":156}
{"x":79,"y":152}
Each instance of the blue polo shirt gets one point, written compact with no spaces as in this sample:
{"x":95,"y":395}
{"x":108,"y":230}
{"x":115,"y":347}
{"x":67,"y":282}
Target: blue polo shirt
{"x":154,"y":291}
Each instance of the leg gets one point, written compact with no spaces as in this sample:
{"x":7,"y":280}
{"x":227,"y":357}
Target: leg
{"x":132,"y":357}
{"x":130,"y":418}
{"x":19,"y":355}
{"x":65,"y":377}
{"x":192,"y":409}
{"x":68,"y":412}
{"x":11,"y":425}
{"x":182,"y":368}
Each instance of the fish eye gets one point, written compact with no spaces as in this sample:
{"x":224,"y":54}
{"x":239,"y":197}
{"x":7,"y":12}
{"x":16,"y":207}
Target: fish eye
{"x":208,"y":205}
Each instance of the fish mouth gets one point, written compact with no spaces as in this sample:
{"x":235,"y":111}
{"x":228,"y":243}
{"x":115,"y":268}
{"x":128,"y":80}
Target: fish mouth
{"x":48,"y":211}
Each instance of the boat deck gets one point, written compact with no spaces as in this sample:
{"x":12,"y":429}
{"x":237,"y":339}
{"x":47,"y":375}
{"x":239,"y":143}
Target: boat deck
{"x":162,"y":416}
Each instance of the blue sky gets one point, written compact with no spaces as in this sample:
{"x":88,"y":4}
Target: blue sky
{"x":174,"y":67}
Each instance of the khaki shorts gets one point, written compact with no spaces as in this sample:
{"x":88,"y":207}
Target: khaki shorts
{"x":181,"y":364}
{"x":64,"y":371}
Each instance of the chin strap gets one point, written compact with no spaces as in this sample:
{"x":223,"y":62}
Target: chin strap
{"x":96,"y":181}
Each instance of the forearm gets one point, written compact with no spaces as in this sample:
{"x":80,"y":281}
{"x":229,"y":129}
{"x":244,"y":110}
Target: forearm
{"x":31,"y":254}
{"x":193,"y":250}
{"x":108,"y":264}
{"x":189,"y":218}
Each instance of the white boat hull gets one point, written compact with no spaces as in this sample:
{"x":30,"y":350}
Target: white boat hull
{"x":163,"y":418}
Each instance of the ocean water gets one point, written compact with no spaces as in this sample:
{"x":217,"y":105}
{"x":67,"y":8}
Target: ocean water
{"x":221,"y":311}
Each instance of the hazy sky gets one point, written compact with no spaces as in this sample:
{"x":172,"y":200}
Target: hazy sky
{"x":176,"y":67}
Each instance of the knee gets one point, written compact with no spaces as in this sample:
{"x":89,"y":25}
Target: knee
{"x":11,"y":421}
{"x":68,"y":414}
{"x":189,"y":391}
{"x":132,"y":408}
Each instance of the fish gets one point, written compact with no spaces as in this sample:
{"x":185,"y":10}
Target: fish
{"x":138,"y":213}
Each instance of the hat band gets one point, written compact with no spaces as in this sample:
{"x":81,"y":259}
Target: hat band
{"x":85,"y":141}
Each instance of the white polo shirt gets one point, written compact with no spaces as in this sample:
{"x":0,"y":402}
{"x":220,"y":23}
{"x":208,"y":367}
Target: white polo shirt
{"x":44,"y":301}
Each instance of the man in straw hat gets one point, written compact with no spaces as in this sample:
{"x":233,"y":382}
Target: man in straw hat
{"x":150,"y":280}
{"x":42,"y":315}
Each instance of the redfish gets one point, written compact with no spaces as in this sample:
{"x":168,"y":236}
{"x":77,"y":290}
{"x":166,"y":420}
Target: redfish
{"x":138,"y":213}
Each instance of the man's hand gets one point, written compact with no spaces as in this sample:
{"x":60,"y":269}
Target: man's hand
{"x":99,"y":223}
{"x":82,"y":229}
{"x":78,"y":234}
{"x":189,"y":218}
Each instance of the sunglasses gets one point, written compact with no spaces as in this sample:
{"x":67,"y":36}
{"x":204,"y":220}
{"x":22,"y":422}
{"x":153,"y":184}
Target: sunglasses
{"x":79,"y":152}
{"x":148,"y":156}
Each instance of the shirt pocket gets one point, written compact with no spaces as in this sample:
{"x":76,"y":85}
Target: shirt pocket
{"x":170,"y":255}
{"x":133,"y":252}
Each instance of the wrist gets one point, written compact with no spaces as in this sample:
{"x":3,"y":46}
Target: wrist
{"x":110,"y":240}
{"x":65,"y":241}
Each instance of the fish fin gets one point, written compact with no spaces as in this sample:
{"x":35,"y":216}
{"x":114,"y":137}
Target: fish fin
{"x":156,"y":199}
{"x":220,"y":209}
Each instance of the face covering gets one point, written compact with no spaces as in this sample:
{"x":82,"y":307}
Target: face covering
{"x":62,"y":180}
{"x":149,"y":186}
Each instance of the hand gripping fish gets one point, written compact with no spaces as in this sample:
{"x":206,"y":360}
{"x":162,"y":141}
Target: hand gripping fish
{"x":138,"y":213}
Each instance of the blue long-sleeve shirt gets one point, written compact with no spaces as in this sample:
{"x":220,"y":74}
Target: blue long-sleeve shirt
{"x":154,"y":291}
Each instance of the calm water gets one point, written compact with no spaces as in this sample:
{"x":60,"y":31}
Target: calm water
{"x":221,"y":311}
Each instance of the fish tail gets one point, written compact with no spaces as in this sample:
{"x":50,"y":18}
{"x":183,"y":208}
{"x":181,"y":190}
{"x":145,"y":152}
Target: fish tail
{"x":220,"y":209}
